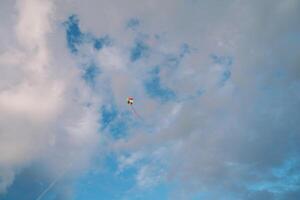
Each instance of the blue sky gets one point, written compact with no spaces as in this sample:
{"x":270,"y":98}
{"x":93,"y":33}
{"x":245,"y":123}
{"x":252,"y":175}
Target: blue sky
{"x":216,"y":95}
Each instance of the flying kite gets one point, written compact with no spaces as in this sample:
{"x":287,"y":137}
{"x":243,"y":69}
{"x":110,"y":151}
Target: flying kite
{"x":130,"y":100}
{"x":130,"y":103}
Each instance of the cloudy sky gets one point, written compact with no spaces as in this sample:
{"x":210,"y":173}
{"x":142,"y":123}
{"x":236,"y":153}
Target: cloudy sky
{"x":216,"y":85}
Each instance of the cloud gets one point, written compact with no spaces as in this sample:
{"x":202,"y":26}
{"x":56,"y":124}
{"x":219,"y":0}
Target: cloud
{"x":216,"y":83}
{"x":43,"y":117}
{"x":224,"y":140}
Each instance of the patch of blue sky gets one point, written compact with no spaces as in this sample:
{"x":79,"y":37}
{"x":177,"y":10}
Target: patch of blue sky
{"x":280,"y":73}
{"x":292,"y":39}
{"x":284,"y":170}
{"x":172,"y":61}
{"x":157,"y":36}
{"x":28,"y":184}
{"x":139,"y":50}
{"x":200,"y":196}
{"x":222,"y":60}
{"x":160,"y":191}
{"x":288,"y":175}
{"x":280,"y":185}
{"x":295,"y":87}
{"x":191,"y":97}
{"x":74,"y":35}
{"x":165,"y":190}
{"x":118,"y":129}
{"x":90,"y":74}
{"x":156,"y":90}
{"x":184,"y":50}
{"x":262,"y":186}
{"x":101,"y":42}
{"x":114,"y":122}
{"x":225,"y":62}
{"x":105,"y":184}
{"x":133,"y":23}
{"x":108,"y":114}
{"x":225,"y":77}
{"x":22,"y":190}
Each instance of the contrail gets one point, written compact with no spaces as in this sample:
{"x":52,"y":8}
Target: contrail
{"x":51,"y":185}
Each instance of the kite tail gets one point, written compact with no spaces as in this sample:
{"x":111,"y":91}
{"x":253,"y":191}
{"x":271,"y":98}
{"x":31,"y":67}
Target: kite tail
{"x":136,"y":113}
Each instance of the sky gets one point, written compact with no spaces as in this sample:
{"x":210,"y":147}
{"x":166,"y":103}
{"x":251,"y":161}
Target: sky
{"x":216,"y":86}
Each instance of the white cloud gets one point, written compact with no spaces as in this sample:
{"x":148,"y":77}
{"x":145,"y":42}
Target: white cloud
{"x":42,"y":97}
{"x":233,"y":123}
{"x":44,"y":117}
{"x":112,"y":59}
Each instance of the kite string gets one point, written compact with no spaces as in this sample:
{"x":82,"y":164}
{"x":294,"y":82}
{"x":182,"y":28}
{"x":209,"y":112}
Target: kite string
{"x":136,"y":113}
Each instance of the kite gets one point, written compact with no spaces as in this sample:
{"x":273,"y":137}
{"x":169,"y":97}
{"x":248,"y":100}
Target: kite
{"x":130,"y":103}
{"x":130,"y":100}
